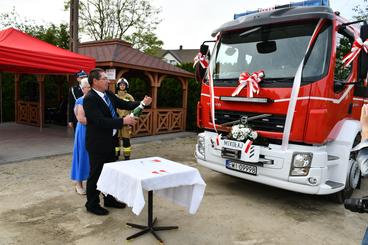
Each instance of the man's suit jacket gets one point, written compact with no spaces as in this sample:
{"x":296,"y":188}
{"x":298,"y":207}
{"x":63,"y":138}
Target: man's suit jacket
{"x":74,"y":93}
{"x":100,"y":123}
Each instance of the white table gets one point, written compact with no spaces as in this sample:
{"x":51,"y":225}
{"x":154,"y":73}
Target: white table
{"x":126,"y":180}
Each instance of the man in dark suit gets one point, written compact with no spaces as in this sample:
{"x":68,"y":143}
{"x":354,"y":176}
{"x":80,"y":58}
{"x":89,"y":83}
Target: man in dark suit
{"x":74,"y":93}
{"x":102,"y":123}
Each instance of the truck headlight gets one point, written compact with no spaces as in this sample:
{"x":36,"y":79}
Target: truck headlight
{"x":301,"y":163}
{"x":201,"y":145}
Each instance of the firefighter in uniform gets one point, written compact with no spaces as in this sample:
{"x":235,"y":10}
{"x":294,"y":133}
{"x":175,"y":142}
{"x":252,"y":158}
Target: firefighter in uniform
{"x":125,"y":132}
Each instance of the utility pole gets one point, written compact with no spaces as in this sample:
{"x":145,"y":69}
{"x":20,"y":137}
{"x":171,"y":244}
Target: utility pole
{"x":73,"y":32}
{"x":74,"y":16}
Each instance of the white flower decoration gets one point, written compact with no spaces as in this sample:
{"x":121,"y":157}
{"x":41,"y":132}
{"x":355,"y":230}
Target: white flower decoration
{"x":253,"y":135}
{"x":241,"y":132}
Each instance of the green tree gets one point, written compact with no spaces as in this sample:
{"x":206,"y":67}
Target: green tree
{"x":7,"y":96}
{"x":138,"y":87}
{"x":13,"y":19}
{"x":147,"y":42}
{"x":343,"y":47}
{"x":194,"y":94}
{"x":55,"y":35}
{"x":170,"y":94}
{"x":132,"y":20}
{"x":51,"y":33}
{"x":361,"y":11}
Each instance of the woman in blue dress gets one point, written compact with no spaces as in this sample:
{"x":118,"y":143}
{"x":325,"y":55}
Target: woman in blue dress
{"x":80,"y":163}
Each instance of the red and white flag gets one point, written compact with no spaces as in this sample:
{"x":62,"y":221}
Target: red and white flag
{"x":202,"y":59}
{"x":358,"y":45}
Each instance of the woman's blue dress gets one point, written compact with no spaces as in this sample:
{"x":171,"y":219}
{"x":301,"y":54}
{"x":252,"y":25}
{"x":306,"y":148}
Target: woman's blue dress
{"x":80,"y":162}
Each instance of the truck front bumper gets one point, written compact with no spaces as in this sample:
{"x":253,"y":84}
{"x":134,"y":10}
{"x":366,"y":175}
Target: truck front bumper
{"x":276,"y":174}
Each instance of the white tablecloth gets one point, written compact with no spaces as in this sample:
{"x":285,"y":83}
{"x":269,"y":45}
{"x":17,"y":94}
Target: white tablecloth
{"x":125,"y":180}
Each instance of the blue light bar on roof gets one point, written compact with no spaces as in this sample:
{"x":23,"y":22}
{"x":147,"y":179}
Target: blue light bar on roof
{"x":307,"y":3}
{"x":311,"y":3}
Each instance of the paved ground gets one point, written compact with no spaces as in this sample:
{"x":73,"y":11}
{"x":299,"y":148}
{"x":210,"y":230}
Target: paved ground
{"x":21,"y":142}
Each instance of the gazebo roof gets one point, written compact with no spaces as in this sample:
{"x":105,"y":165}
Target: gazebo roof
{"x":119,"y":53}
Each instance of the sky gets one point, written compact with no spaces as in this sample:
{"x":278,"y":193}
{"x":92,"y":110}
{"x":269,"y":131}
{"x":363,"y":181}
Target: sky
{"x":184,"y":22}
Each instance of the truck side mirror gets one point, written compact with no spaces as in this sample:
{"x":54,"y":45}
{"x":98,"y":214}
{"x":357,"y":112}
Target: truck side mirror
{"x":363,"y":56}
{"x":199,"y":70}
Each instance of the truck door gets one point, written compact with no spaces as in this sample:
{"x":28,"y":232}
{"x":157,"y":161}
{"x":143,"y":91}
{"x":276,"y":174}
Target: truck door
{"x":342,"y":105}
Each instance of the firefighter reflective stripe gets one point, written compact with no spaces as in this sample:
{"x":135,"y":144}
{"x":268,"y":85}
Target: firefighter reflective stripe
{"x":117,"y":151}
{"x":295,"y":90}
{"x":127,"y":151}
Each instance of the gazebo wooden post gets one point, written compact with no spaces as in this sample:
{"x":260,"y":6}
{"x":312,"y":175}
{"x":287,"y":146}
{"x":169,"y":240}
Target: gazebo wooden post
{"x":16,"y":95}
{"x":41,"y":89}
{"x":185,"y":101}
{"x":154,"y":88}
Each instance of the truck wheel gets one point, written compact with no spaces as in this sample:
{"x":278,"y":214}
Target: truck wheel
{"x":353,"y":178}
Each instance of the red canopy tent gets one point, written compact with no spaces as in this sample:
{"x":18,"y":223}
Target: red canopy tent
{"x":22,"y":53}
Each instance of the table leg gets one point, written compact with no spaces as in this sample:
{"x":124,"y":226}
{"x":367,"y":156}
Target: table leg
{"x":150,"y":227}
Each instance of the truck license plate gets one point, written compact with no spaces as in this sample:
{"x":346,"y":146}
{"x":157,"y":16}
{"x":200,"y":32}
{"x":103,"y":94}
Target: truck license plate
{"x":241,"y":167}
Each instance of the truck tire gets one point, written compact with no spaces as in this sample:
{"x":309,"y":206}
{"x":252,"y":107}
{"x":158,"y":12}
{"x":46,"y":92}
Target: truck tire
{"x":353,"y":177}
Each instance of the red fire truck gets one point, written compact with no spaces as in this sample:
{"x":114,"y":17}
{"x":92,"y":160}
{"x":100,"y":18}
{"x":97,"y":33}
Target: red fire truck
{"x":278,"y":104}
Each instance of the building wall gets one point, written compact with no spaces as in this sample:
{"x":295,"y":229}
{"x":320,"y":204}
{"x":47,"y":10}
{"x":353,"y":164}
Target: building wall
{"x":169,"y":58}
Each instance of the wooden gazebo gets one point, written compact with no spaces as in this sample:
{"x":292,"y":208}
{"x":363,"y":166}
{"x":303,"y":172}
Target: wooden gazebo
{"x":119,"y":58}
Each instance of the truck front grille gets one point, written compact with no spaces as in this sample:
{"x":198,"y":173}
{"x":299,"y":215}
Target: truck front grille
{"x":272,"y":123}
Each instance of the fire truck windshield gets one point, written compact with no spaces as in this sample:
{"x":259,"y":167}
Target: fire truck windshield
{"x":277,"y":49}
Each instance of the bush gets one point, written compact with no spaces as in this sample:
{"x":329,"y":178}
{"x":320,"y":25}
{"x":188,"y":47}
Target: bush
{"x":194,"y":93}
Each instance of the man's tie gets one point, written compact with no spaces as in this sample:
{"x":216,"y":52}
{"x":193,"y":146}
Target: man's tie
{"x":109,"y":104}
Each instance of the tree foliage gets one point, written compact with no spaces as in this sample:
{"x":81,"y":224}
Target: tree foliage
{"x":170,"y":93}
{"x":138,"y":87}
{"x":132,"y":20}
{"x":51,"y":33}
{"x":13,"y":19}
{"x":194,"y":94}
{"x":147,"y":42}
{"x":361,"y":11}
{"x":343,"y":47}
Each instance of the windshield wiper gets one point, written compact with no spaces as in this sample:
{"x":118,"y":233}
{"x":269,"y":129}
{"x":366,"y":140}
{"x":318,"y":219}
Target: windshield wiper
{"x":278,"y":80}
{"x":250,"y":31}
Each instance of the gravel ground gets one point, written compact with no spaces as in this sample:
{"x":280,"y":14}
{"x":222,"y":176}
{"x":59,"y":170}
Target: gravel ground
{"x":39,"y":206}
